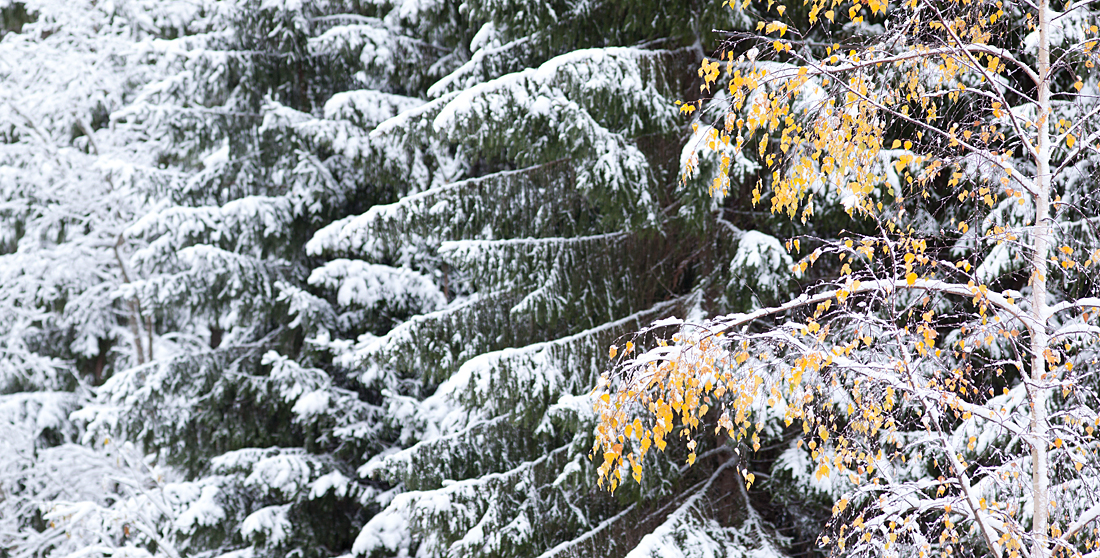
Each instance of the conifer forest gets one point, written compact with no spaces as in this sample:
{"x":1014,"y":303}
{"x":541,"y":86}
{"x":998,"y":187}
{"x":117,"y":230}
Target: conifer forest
{"x":549,"y":279}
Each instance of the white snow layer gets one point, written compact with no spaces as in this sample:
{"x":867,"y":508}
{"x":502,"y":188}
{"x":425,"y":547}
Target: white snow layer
{"x":366,"y":285}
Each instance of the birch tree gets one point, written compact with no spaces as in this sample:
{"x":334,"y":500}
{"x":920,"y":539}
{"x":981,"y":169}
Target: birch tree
{"x":942,"y":370}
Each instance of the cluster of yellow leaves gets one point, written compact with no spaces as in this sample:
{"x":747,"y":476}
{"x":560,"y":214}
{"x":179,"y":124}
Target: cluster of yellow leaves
{"x":688,"y":387}
{"x":706,"y":374}
{"x":830,"y":8}
{"x":841,"y":145}
{"x":820,"y":125}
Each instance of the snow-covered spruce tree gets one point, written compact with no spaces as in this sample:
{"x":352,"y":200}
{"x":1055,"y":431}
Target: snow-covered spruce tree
{"x":70,"y":181}
{"x":554,"y":227}
{"x":943,"y":369}
{"x":235,"y":398}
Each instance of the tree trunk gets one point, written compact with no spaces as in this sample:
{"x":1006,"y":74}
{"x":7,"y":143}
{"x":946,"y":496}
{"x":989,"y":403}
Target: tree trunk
{"x":135,"y":311}
{"x":101,"y":359}
{"x":1037,"y":394}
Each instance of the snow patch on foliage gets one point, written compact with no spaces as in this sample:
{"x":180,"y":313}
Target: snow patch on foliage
{"x":388,"y":531}
{"x":285,"y":473}
{"x":270,"y":523}
{"x":762,"y":262}
{"x":334,"y":482}
{"x":204,"y":512}
{"x":366,"y":285}
{"x":312,"y":403}
{"x":367,"y":108}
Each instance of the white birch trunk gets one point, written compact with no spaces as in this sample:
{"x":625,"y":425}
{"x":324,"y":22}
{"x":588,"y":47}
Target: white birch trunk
{"x":1040,"y":481}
